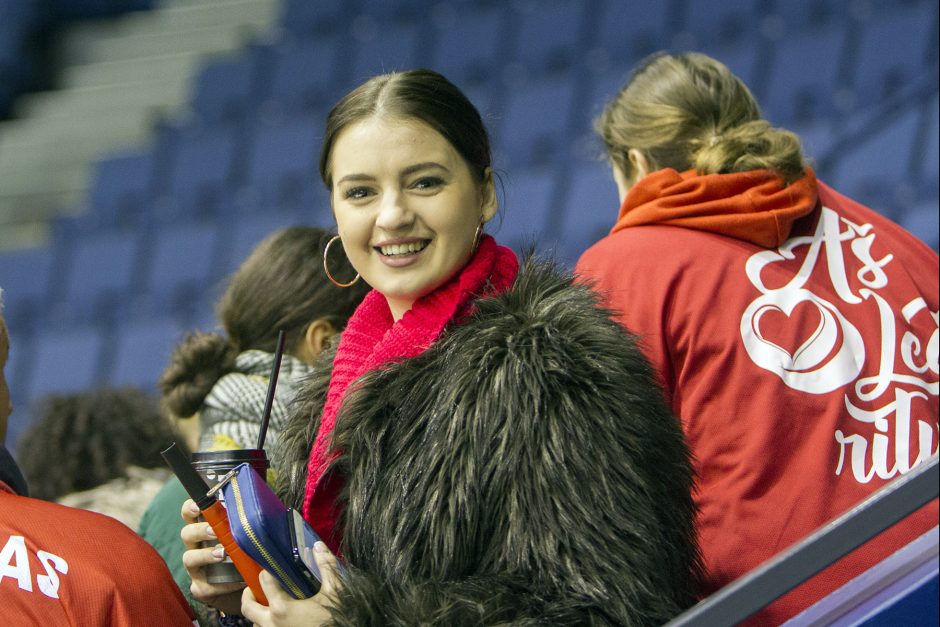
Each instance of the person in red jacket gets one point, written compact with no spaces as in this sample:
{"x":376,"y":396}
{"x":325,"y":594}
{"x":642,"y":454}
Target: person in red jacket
{"x":794,"y":330}
{"x":65,"y":566}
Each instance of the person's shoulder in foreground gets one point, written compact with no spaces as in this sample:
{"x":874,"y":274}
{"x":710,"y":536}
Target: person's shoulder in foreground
{"x":60,"y":565}
{"x":64,"y":566}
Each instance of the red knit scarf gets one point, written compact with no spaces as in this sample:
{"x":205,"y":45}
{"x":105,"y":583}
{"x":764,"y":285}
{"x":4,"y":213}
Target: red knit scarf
{"x":372,"y":338}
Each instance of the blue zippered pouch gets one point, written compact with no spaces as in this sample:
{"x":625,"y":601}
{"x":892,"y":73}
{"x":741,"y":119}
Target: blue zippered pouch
{"x":260,"y":524}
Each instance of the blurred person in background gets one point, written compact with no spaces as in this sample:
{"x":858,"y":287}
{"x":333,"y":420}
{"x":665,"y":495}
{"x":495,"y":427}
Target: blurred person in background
{"x":216,"y":384}
{"x":221,"y":380}
{"x":794,"y":330}
{"x":65,"y":566}
{"x":98,"y":450}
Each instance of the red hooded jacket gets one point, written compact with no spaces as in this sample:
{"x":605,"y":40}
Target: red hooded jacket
{"x":796,"y":335}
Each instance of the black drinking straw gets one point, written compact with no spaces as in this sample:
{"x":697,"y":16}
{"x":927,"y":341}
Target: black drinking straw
{"x":272,"y":384}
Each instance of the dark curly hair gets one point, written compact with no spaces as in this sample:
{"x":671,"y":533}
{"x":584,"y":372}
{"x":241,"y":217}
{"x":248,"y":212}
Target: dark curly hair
{"x":83,"y":440}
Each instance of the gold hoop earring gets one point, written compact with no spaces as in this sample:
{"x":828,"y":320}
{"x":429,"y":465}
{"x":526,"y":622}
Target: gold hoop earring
{"x":326,"y":268}
{"x":477,"y":236}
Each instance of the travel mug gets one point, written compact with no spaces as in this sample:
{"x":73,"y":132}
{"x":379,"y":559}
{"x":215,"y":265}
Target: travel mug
{"x":213,"y":466}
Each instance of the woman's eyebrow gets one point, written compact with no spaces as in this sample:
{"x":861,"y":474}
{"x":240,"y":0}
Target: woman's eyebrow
{"x":355,"y":177}
{"x":426,"y":165}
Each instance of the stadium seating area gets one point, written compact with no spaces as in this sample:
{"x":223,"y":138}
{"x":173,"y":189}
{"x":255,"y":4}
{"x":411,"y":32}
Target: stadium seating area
{"x":24,"y":26}
{"x":161,"y":226}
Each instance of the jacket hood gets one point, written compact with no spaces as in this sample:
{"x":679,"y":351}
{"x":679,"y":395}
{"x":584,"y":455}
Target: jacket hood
{"x":753,"y":206}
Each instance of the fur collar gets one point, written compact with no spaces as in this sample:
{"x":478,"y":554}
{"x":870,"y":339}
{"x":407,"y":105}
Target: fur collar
{"x":525,"y":469}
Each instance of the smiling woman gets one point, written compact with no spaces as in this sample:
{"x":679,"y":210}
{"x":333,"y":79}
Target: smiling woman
{"x":484,"y":444}
{"x":407,"y":206}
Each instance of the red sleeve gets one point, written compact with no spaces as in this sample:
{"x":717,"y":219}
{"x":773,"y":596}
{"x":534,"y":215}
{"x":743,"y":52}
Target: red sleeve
{"x":62,"y":565}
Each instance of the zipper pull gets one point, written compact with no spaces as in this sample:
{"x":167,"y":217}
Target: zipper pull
{"x":228,"y":477}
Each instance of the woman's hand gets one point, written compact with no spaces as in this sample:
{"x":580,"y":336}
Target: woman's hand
{"x":285,"y":611}
{"x":224,"y":597}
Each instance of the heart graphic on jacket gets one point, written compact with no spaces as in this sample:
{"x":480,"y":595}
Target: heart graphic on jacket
{"x":793,"y":332}
{"x":803,"y":339}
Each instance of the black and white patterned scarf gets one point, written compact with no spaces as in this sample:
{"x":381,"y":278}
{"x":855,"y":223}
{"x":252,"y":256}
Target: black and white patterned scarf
{"x":231,"y":415}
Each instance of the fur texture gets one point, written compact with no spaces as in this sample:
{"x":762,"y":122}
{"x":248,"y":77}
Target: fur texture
{"x":523,"y":470}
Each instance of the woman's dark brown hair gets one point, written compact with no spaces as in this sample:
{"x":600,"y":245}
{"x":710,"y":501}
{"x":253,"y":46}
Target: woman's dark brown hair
{"x":281,"y":285}
{"x":420,"y":94}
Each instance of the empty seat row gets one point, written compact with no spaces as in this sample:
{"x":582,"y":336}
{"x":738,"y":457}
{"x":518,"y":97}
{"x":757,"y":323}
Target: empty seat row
{"x":111,"y":275}
{"x":76,"y":358}
{"x":856,"y":61}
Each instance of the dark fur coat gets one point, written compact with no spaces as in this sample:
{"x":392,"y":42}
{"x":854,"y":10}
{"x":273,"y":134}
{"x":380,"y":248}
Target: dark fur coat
{"x":524,"y":470}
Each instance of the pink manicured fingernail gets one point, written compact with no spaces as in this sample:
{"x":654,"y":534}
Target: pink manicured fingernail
{"x":320,"y":547}
{"x":210,"y":531}
{"x":218,"y":552}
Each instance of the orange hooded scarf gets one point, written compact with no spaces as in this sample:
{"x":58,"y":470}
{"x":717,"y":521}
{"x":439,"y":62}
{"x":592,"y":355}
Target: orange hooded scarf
{"x":753,"y":206}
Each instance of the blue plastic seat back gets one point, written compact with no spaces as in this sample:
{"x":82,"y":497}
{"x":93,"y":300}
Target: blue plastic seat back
{"x":535,"y":122}
{"x":467,"y":44}
{"x":26,"y":277}
{"x":303,"y":74}
{"x":590,"y":209}
{"x":549,"y":35}
{"x":525,"y":216}
{"x":142,"y":350}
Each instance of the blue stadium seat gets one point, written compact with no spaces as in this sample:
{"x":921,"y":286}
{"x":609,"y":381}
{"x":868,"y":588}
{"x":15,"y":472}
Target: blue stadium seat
{"x":930,"y":160}
{"x":303,"y":75}
{"x":742,"y":58}
{"x":17,"y":372}
{"x":121,"y":188}
{"x":817,"y":139}
{"x":590,"y":209}
{"x":483,"y":97}
{"x":808,"y":15}
{"x":142,"y":350}
{"x":525,"y":216}
{"x":396,"y":10}
{"x":227,"y":90}
{"x":64,"y":361}
{"x":923,"y":220}
{"x":101,"y":273}
{"x":468,"y":44}
{"x":202,"y":163}
{"x":805,"y":77}
{"x":723,"y":24}
{"x":303,"y":17}
{"x":25,"y":276}
{"x":894,"y":50}
{"x":872,"y":171}
{"x":536,"y":121}
{"x":381,"y":48}
{"x":249,"y":230}
{"x":603,"y":88}
{"x":181,"y":265}
{"x":283,"y":163}
{"x":549,"y":35}
{"x":628,"y":31}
